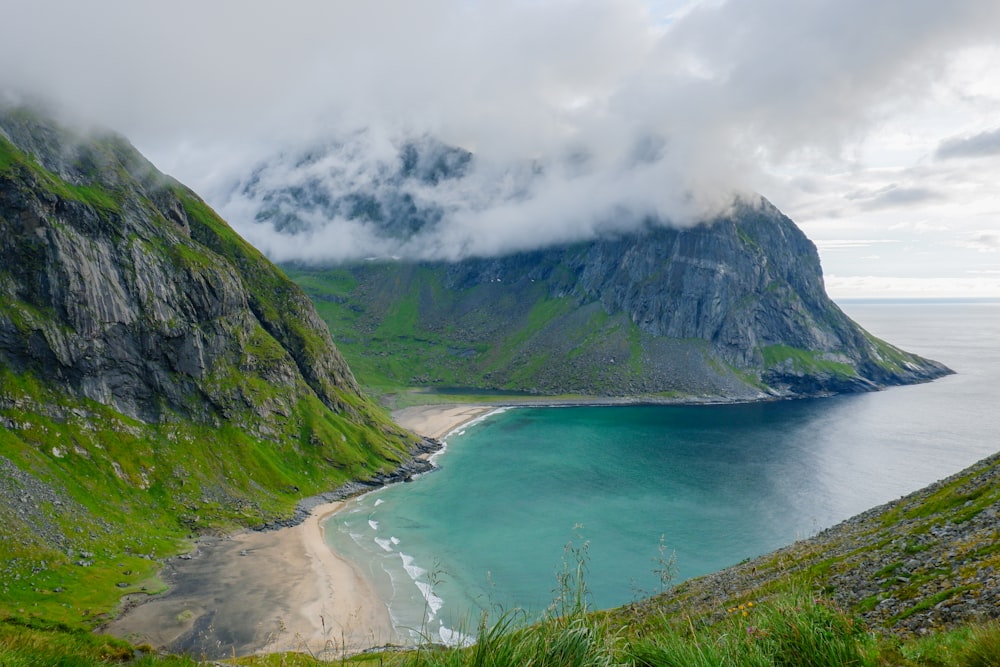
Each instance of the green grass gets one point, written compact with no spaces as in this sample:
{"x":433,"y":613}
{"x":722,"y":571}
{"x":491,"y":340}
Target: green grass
{"x":792,"y":630}
{"x":14,"y":162}
{"x":804,"y":361}
{"x":129,"y":495}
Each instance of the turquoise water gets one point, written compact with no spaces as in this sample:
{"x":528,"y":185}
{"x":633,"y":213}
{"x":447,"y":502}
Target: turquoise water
{"x":715,"y":484}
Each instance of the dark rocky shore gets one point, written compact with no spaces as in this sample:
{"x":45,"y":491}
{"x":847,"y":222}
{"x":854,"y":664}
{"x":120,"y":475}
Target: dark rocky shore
{"x":928,"y":561}
{"x":417,"y":464}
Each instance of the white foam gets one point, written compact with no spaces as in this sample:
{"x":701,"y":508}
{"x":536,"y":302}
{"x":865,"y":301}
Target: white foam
{"x":384,"y":543}
{"x":434,"y":603}
{"x":378,"y":501}
{"x":455,"y":638}
{"x":394,"y":540}
{"x":373,"y":523}
{"x":415,"y":571}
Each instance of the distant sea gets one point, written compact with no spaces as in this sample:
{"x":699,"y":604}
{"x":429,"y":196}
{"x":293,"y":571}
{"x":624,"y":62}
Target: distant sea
{"x":520,"y":491}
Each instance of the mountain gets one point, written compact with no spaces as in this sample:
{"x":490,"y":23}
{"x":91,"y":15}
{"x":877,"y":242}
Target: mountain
{"x":158,"y":376}
{"x":733,"y":308}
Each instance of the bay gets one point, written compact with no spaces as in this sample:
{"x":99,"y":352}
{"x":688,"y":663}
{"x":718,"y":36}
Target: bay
{"x":526,"y":491}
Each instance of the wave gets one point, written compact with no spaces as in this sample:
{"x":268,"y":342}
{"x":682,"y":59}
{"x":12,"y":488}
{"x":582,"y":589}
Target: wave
{"x":434,"y":602}
{"x":455,"y":638}
{"x":415,"y":571}
{"x":384,"y":543}
{"x":373,"y":523}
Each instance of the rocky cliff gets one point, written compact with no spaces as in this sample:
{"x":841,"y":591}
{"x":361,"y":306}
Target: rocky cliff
{"x":122,"y":285}
{"x":158,"y":376}
{"x":734,"y":308}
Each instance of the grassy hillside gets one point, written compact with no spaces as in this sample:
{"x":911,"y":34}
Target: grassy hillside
{"x":733,"y":309}
{"x":93,"y":500}
{"x":401,"y":327}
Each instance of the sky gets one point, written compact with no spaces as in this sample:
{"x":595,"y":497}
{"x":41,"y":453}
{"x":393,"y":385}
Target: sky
{"x":874,"y":125}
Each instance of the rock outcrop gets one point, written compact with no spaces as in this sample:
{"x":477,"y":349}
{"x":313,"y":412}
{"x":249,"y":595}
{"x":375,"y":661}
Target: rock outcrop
{"x":121,"y":284}
{"x":159,"y":378}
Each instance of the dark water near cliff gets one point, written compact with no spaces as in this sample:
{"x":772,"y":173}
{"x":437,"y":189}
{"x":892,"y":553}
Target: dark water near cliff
{"x":718,"y":483}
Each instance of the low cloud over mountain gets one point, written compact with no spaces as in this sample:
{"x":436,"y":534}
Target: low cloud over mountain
{"x":631,"y":107}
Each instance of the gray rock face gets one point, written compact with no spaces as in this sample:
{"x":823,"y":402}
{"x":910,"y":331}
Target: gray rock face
{"x":732,"y":309}
{"x":120,"y":284}
{"x":749,"y":285}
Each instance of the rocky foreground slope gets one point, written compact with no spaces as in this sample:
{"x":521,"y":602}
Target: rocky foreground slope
{"x":930,"y":560}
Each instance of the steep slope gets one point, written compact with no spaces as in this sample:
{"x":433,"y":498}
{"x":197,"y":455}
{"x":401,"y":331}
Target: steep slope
{"x":925,"y":561}
{"x":731,"y":309}
{"x":158,"y":376}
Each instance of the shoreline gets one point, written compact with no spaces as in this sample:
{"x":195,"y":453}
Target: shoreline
{"x":282,"y":588}
{"x":439,"y":421}
{"x":262,"y":592}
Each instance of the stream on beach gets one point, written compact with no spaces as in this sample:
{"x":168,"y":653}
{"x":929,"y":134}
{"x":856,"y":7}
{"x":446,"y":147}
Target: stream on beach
{"x":522,"y":491}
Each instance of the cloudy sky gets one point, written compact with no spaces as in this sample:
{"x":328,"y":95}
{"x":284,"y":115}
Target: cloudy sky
{"x":874,"y":125}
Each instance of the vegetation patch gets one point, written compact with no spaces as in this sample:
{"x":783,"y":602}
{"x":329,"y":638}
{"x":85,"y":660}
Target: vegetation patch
{"x":803,"y":361}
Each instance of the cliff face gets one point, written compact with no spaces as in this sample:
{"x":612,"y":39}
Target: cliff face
{"x":734,"y":308}
{"x":121,"y":284}
{"x":158,"y":376}
{"x":746,"y":290}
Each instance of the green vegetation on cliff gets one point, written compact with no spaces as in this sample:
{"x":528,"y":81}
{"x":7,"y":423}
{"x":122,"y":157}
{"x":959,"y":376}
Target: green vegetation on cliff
{"x":733,"y":310}
{"x":159,"y":379}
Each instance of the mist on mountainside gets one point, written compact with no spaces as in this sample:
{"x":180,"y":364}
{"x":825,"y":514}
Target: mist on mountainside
{"x":370,"y":195}
{"x":581,"y":117}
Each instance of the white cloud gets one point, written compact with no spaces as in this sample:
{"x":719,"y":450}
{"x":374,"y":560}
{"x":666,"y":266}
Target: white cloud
{"x":983,"y":144}
{"x":810,"y":104}
{"x":881,"y":287}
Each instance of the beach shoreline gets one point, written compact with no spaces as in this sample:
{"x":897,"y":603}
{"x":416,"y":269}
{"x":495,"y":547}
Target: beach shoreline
{"x":438,"y":421}
{"x":277,"y":590}
{"x":262,"y":592}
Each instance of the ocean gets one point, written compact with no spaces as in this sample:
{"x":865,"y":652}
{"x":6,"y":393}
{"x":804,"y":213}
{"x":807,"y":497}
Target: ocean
{"x":525,"y":492}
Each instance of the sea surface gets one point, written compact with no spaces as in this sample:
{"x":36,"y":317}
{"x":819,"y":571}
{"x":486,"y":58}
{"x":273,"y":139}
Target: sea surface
{"x":527,"y":491}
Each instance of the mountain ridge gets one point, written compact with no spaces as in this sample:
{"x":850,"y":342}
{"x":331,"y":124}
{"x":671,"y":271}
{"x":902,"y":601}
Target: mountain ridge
{"x":734,"y":308}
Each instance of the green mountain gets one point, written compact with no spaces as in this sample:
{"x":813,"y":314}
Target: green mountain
{"x":158,"y":377}
{"x":732,"y":309}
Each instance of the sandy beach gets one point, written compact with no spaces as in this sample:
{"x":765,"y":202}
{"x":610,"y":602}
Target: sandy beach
{"x":282,"y":590}
{"x":437,"y":421}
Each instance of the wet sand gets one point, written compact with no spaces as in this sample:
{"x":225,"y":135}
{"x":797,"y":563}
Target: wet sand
{"x":281,"y":590}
